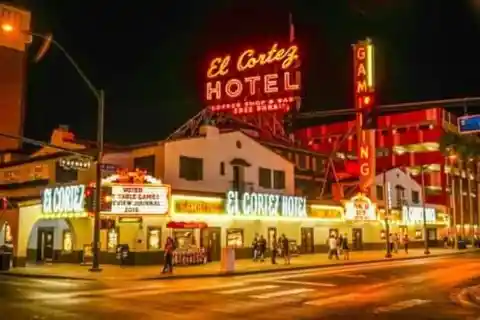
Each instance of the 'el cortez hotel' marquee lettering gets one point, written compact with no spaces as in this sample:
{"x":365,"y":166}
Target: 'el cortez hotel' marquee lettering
{"x":265,"y":204}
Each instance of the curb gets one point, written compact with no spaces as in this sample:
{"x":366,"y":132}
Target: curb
{"x":466,"y":299}
{"x":299,"y":268}
{"x":234,"y":274}
{"x":41,"y":276}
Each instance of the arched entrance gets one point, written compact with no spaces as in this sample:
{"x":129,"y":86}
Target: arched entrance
{"x":49,"y":239}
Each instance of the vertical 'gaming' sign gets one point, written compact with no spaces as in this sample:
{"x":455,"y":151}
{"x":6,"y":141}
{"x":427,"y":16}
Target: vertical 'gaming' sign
{"x":364,"y":88}
{"x":254,"y":80}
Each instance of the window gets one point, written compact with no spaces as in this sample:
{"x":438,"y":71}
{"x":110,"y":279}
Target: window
{"x":191,"y":169}
{"x":63,"y":175}
{"x":320,"y":164}
{"x":415,"y":196}
{"x":67,"y":241}
{"x":222,"y":168}
{"x":265,"y":178}
{"x":302,"y":161}
{"x":418,"y":234}
{"x":145,"y":163}
{"x":112,"y":239}
{"x":154,"y":237}
{"x":278,"y":179}
{"x":235,"y":238}
{"x":379,"y":192}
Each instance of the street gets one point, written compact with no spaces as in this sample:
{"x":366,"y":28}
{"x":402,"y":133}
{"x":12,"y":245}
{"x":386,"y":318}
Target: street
{"x":419,"y":289}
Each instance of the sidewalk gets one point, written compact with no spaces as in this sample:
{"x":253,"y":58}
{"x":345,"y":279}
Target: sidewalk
{"x":242,"y":267}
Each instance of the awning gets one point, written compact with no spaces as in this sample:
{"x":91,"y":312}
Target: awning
{"x":186,"y":225}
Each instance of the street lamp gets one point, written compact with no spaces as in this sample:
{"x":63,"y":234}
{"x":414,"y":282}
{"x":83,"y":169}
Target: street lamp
{"x":99,"y":95}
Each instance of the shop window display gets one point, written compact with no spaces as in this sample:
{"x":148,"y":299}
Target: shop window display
{"x":112,"y":240}
{"x":67,"y":241}
{"x":187,"y":252}
{"x":235,"y":238}
{"x":154,"y":236}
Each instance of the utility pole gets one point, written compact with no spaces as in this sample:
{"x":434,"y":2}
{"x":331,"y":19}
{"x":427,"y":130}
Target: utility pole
{"x":387,"y":215}
{"x":424,"y":209}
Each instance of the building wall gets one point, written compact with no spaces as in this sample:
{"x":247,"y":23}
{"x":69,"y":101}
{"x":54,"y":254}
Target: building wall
{"x":216,"y":148}
{"x":59,"y":225}
{"x":398,"y":177}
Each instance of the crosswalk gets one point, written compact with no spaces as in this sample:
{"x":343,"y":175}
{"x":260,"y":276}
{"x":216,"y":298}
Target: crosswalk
{"x":239,"y":295}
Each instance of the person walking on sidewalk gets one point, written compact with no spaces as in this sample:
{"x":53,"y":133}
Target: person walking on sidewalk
{"x":262,"y":247}
{"x":255,"y":248}
{"x":339,"y":244}
{"x":286,"y":249}
{"x":169,"y":249}
{"x":332,"y":248}
{"x":390,"y":242}
{"x":274,"y":249}
{"x":345,"y":248}
{"x":405,"y":242}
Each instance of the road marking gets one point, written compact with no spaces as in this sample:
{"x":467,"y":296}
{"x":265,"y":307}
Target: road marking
{"x":332,"y":300}
{"x":126,"y":295}
{"x":267,"y":287}
{"x":282,"y":293}
{"x":362,"y":276}
{"x":306,"y":283}
{"x":401,"y":305}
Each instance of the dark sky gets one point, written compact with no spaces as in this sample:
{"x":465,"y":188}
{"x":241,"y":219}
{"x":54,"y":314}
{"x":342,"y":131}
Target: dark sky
{"x":148,"y":58}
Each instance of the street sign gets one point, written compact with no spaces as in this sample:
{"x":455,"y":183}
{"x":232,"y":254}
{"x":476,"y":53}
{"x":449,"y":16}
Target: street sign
{"x":469,"y":124}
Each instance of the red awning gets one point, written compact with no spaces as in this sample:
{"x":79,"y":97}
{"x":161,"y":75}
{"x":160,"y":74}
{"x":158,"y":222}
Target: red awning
{"x":186,"y":225}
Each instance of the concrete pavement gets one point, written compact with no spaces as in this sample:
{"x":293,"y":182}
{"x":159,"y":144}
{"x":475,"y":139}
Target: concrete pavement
{"x":242,"y":267}
{"x":415,"y":289}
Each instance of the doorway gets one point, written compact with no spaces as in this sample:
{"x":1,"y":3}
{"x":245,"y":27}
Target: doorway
{"x":45,"y":250}
{"x":357,"y":239}
{"x":211,"y":241}
{"x":307,"y":240}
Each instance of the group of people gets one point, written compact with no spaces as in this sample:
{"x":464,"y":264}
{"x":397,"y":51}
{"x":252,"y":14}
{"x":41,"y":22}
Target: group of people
{"x":337,"y":246}
{"x":278,"y":247}
{"x":394,"y":241}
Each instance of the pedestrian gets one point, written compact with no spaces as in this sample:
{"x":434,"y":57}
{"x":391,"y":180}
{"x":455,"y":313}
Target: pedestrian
{"x":286,"y":249}
{"x":339,"y":244}
{"x":169,"y":249}
{"x":274,"y":249}
{"x":255,"y":248}
{"x":396,"y":242}
{"x":390,"y":242}
{"x":332,"y":248}
{"x":405,"y":242}
{"x":446,"y":242}
{"x":345,"y":248}
{"x":262,"y":247}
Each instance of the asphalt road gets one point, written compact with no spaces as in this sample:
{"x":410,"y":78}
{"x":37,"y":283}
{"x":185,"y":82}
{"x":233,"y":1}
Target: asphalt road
{"x":415,"y":289}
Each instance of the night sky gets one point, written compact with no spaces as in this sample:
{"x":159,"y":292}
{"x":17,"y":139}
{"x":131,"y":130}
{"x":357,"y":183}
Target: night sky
{"x":148,"y":59}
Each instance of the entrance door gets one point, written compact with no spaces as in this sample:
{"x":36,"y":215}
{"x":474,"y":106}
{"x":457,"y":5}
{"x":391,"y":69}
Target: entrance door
{"x":45,"y":244}
{"x":307,"y":240}
{"x":357,"y":239}
{"x":211,"y":241}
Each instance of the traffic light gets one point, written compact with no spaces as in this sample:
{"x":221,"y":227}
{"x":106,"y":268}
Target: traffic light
{"x":369,"y":112}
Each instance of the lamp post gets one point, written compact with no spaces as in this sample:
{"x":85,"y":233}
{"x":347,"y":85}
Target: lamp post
{"x":99,"y":95}
{"x":425,"y":234}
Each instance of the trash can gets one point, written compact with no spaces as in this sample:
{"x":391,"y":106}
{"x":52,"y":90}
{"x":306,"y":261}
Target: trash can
{"x":228,"y":259}
{"x":5,"y":260}
{"x":123,"y":252}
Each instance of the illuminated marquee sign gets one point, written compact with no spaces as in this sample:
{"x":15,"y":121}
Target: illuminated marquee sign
{"x":360,"y":208}
{"x":265,"y":205}
{"x":254,"y":81}
{"x":412,"y":215}
{"x":139,"y":199}
{"x":64,"y":199}
{"x":364,"y":88}
{"x":187,"y":206}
